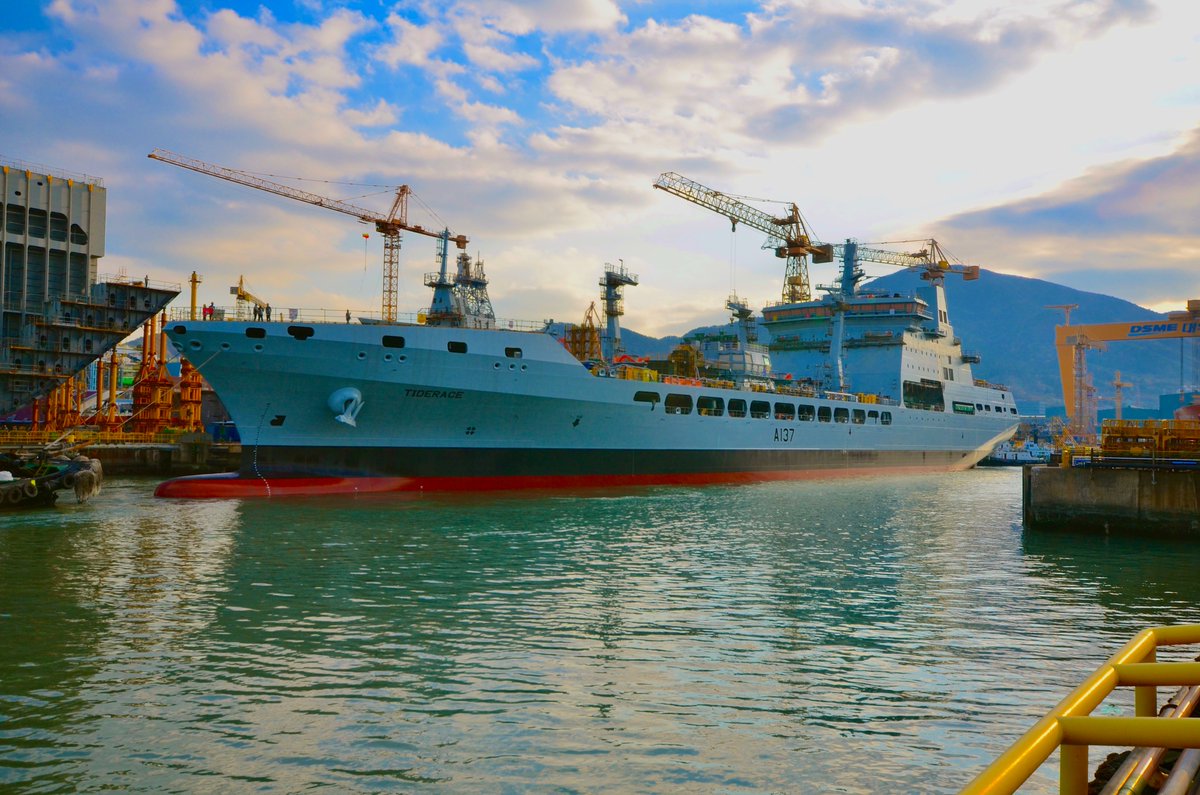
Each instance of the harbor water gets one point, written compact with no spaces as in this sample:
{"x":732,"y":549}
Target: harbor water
{"x":866,"y":635}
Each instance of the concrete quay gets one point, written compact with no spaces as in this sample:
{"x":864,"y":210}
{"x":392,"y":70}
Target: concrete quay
{"x":1127,"y":500}
{"x":191,"y":455}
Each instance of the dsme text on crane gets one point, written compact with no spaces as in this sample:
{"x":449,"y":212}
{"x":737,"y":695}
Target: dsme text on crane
{"x":1172,"y":327}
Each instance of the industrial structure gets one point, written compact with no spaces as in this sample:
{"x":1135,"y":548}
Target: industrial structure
{"x":59,"y":316}
{"x":614,"y":281}
{"x":1074,"y":341}
{"x":461,"y":300}
{"x":787,"y":235}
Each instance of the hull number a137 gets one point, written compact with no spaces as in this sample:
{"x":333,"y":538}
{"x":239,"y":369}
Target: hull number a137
{"x":784,"y":434}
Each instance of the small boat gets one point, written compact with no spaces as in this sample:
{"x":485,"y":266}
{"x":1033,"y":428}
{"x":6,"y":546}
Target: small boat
{"x":29,"y":480}
{"x":1018,"y":453}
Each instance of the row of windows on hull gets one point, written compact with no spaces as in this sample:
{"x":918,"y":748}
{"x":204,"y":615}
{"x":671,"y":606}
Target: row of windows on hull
{"x":388,"y":340}
{"x":710,"y":406}
{"x":971,"y":408}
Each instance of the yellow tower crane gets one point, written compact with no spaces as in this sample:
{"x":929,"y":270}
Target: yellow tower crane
{"x":389,"y":225}
{"x":1118,"y":386}
{"x":787,"y":235}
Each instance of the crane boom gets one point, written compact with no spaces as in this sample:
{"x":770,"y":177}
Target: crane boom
{"x":389,"y":226}
{"x":931,"y":258}
{"x":787,"y":235}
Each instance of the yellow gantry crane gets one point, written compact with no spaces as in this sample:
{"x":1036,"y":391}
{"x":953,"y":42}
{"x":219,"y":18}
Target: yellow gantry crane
{"x":389,"y":225}
{"x":1072,"y":343}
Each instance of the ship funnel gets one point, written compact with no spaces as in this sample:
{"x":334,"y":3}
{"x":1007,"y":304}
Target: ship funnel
{"x":345,"y":403}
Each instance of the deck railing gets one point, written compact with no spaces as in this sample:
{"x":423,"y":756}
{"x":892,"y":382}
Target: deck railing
{"x":1071,"y":728}
{"x":244,"y":314}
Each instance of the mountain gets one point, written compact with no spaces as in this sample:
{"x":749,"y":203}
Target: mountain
{"x":1005,"y":319}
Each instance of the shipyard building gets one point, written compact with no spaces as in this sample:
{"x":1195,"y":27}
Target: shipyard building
{"x":59,"y":314}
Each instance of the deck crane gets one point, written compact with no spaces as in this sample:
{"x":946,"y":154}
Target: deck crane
{"x":931,"y":260}
{"x":244,"y":296}
{"x":390,"y":225}
{"x":788,"y":236}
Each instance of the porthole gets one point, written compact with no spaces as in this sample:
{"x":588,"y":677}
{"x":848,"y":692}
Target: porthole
{"x":224,"y":346}
{"x":387,"y":357}
{"x":512,"y":367}
{"x":361,"y":356}
{"x":402,"y":358}
{"x":195,"y":345}
{"x":181,"y":329}
{"x":524,"y":367}
{"x":496,"y":365}
{"x":258,"y":347}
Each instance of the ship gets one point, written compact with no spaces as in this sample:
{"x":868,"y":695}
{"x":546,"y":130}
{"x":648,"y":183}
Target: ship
{"x":854,"y":382}
{"x":1012,"y":453}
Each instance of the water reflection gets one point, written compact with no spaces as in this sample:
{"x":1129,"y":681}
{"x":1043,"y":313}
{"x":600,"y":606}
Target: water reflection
{"x":1130,"y":578}
{"x":835,"y":636}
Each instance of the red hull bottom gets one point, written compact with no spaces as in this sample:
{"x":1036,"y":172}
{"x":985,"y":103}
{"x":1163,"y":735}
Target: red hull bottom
{"x":231,"y":485}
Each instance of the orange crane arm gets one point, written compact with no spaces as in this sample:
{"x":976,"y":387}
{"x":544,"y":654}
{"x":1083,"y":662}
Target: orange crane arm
{"x":1177,"y":325}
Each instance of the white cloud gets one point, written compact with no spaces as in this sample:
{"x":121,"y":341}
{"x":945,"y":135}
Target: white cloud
{"x":494,"y":59}
{"x":411,"y":43}
{"x":552,"y":16}
{"x":875,"y":117}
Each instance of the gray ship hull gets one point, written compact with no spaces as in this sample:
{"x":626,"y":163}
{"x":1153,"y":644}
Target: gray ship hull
{"x":337,"y":408}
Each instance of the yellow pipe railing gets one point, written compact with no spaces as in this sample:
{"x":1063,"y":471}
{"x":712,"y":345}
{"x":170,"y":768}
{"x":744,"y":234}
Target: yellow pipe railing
{"x":28,"y":438}
{"x":1070,"y":727}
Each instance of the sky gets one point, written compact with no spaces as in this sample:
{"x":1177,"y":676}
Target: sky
{"x":1058,"y":139}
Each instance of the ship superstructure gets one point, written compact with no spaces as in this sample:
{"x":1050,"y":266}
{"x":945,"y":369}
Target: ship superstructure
{"x":898,"y":346}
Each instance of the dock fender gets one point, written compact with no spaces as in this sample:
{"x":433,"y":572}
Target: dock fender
{"x":13,"y":495}
{"x":345,"y":403}
{"x":30,"y":488}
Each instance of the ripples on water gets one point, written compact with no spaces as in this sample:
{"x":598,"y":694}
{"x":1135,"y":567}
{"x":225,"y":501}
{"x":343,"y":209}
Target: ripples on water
{"x":882,"y":635}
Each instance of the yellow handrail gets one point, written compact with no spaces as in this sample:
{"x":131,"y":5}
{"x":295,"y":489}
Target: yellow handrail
{"x":83,"y":436}
{"x":1070,"y":727}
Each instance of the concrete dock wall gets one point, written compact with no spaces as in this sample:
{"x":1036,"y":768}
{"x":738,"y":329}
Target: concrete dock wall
{"x":186,"y":457}
{"x":1094,"y":499}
